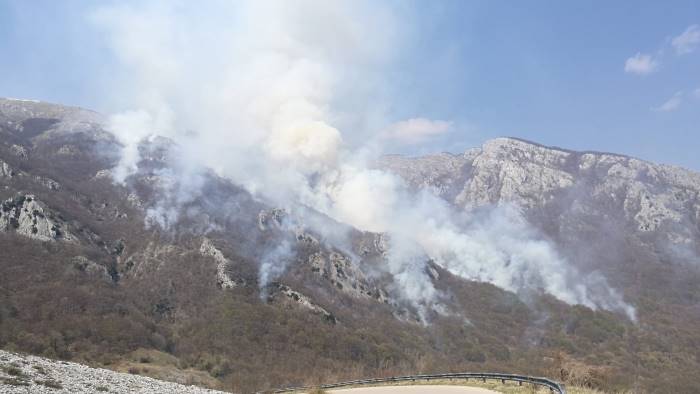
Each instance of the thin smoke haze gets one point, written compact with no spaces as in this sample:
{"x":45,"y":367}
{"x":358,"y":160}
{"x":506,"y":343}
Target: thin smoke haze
{"x":262,"y":94}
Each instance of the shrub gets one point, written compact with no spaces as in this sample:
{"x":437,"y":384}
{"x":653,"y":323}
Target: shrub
{"x":54,"y":384}
{"x":14,"y":371}
{"x":39,"y":369}
{"x":15,"y":382}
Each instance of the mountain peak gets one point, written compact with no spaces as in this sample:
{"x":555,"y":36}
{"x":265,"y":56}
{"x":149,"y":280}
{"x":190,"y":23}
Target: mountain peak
{"x":519,"y":144}
{"x":21,"y":109}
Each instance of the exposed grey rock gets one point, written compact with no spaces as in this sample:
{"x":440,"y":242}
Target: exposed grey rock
{"x":272,"y":217}
{"x":20,"y":151}
{"x":28,"y":217}
{"x":151,"y":258}
{"x":345,"y":276}
{"x":47,"y":183}
{"x":134,"y":200}
{"x":373,"y":243}
{"x":103,"y":174}
{"x":6,"y":171}
{"x":91,"y":268}
{"x":434,"y":274}
{"x":222,"y":278}
{"x":285,"y":294}
{"x":507,"y":170}
{"x":306,"y":237}
{"x":68,"y":150}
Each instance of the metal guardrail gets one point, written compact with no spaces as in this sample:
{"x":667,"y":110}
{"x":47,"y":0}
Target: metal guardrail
{"x":553,"y":386}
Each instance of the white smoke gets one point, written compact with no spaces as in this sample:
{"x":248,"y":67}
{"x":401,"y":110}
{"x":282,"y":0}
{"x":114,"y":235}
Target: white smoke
{"x":260,"y":91}
{"x":417,"y":130}
{"x":131,"y":128}
{"x":273,"y":264}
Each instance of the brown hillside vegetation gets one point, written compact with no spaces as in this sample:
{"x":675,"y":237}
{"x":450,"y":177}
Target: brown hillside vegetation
{"x":244,"y":344}
{"x":107,"y":288}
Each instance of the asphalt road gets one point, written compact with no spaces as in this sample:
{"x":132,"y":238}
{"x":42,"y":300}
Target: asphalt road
{"x":417,"y":389}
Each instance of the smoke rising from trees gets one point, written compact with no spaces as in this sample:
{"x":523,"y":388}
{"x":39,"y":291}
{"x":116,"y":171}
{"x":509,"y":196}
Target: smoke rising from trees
{"x":262,"y":93}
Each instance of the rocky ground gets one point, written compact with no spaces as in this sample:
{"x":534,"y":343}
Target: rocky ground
{"x":21,"y":373}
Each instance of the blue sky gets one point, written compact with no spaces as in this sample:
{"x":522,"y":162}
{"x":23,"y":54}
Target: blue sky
{"x":551,"y":72}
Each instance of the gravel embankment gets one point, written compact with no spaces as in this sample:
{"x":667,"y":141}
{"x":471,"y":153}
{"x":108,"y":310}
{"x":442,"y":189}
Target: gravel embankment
{"x":23,"y":374}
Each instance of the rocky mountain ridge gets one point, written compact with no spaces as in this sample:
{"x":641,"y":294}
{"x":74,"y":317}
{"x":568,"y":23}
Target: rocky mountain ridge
{"x":49,"y":130}
{"x":649,"y":200}
{"x":94,"y":270}
{"x":529,"y":175}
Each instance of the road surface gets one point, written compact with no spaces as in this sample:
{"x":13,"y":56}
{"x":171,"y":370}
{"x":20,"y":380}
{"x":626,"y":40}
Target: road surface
{"x":417,"y":389}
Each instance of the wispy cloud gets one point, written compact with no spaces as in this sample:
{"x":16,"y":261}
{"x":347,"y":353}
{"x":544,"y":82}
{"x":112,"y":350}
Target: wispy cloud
{"x":696,"y":93}
{"x":417,"y":130}
{"x":641,"y":64}
{"x":671,"y":104}
{"x":687,"y":41}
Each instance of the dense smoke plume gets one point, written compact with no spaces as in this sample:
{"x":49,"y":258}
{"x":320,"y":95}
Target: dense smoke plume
{"x":268,"y":94}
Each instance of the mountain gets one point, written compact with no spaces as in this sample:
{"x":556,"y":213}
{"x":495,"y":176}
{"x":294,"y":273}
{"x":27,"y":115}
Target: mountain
{"x":226,"y":289}
{"x":638,"y":222}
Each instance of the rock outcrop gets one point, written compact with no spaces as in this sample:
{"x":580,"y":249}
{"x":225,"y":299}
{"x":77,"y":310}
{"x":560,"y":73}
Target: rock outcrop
{"x":91,"y":268}
{"x":27,"y":216}
{"x":340,"y":271}
{"x":222,"y":278}
{"x":284,"y":294}
{"x":6,"y":171}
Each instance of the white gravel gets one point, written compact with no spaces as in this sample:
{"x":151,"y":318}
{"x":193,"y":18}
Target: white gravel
{"x":24,"y":374}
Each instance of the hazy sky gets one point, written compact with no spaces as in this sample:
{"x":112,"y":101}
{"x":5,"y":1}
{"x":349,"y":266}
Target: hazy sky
{"x":592,"y":75}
